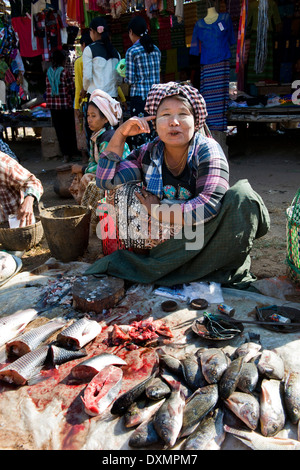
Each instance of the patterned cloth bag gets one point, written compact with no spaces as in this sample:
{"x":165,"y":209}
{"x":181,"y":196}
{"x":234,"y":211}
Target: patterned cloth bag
{"x":293,"y":239}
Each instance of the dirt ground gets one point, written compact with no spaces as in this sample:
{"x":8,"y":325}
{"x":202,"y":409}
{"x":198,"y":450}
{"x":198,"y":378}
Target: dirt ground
{"x":270,"y":160}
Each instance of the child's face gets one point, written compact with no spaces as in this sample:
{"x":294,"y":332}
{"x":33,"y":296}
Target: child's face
{"x":95,"y":120}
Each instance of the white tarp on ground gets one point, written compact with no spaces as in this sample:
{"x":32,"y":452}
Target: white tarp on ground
{"x":49,"y":413}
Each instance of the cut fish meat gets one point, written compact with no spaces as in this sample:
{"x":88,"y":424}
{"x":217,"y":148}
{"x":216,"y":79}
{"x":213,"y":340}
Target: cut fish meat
{"x":80,"y":333}
{"x":14,"y":324}
{"x":102,"y":390}
{"x":30,"y":340}
{"x":90,"y":367}
{"x":21,"y":370}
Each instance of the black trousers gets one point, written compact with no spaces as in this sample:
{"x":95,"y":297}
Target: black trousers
{"x":64,"y":124}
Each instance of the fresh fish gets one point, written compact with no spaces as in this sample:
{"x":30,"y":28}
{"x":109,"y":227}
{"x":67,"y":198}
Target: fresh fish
{"x":168,"y":419}
{"x":214,"y":362}
{"x":102,"y":390}
{"x":170,"y":362}
{"x":230,"y":378}
{"x":80,"y":333}
{"x":123,"y":402}
{"x":90,"y":367}
{"x":144,"y":435}
{"x":292,"y":396}
{"x":192,"y":373}
{"x":256,"y":441}
{"x":248,"y":377}
{"x":62,"y":355}
{"x":31,"y":339}
{"x":248,"y":351}
{"x":157,"y":389}
{"x":272,"y":417}
{"x":14,"y":324}
{"x":197,"y":407}
{"x":245,"y":407}
{"x":172,"y":378}
{"x":209,"y":434}
{"x":271,"y":365}
{"x":141,"y":411}
{"x":21,"y":370}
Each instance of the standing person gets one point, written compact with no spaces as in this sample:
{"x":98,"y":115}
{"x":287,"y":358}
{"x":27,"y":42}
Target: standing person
{"x":80,"y":101}
{"x":100,"y":60}
{"x":19,"y":189}
{"x":60,"y":92}
{"x":142,"y":61}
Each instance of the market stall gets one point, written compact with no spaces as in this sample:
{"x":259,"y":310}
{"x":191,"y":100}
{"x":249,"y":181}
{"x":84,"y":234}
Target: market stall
{"x":49,"y":406}
{"x":264,"y":56}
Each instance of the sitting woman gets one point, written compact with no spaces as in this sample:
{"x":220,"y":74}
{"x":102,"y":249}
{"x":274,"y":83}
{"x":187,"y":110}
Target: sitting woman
{"x":103,"y":114}
{"x":171,"y":191}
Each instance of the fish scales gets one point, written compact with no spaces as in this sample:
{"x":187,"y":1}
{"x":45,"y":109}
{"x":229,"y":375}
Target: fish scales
{"x":14,"y":324}
{"x":79,"y":333}
{"x":168,"y":419}
{"x":157,"y":389}
{"x":61,"y":355}
{"x":91,"y":366}
{"x":144,"y":435}
{"x":248,"y":377}
{"x":230,"y":378}
{"x":292,"y":396}
{"x":272,"y":417}
{"x":209,"y":434}
{"x":141,"y":411}
{"x":23,"y":368}
{"x":248,"y":350}
{"x":192,"y":373}
{"x":197,"y":407}
{"x":213,"y":363}
{"x":123,"y":402}
{"x":32,"y":339}
{"x":256,"y":441}
{"x":245,"y":407}
{"x":271,"y":365}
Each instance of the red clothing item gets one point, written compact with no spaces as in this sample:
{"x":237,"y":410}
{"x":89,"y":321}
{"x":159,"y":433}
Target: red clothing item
{"x":22,"y":26}
{"x":66,"y":94}
{"x":15,"y":183}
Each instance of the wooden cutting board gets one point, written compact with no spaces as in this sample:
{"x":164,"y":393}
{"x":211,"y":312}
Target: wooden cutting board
{"x":94,"y":294}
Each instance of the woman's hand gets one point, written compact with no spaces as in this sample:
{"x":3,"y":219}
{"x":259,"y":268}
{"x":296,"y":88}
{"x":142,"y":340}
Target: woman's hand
{"x":135,"y":125}
{"x":147,"y":199}
{"x":25,"y":211}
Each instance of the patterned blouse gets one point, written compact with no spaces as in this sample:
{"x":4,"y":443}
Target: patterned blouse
{"x":207,"y":164}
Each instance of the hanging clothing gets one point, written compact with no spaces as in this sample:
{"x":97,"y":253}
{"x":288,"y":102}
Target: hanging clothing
{"x":214,"y":87}
{"x":213,"y":40}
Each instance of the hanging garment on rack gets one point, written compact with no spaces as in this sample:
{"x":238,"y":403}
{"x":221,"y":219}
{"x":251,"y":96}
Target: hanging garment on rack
{"x":214,"y":87}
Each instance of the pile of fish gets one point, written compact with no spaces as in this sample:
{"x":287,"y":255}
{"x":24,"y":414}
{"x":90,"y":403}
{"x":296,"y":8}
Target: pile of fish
{"x":187,"y":402}
{"x":30,"y":350}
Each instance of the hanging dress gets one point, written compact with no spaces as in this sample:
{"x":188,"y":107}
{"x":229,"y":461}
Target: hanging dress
{"x":214,"y":41}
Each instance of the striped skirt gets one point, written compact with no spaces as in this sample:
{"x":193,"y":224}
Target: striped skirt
{"x":214,"y":87}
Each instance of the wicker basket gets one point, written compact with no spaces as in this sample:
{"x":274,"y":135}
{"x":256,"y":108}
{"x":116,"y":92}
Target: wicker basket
{"x":22,"y":238}
{"x":293,"y":239}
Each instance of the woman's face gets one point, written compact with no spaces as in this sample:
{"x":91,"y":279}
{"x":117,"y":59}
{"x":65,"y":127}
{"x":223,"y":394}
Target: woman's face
{"x":95,"y":120}
{"x":175,"y":123}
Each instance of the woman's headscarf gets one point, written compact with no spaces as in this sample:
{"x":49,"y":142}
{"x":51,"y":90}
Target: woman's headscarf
{"x":164,"y":90}
{"x":108,"y":106}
